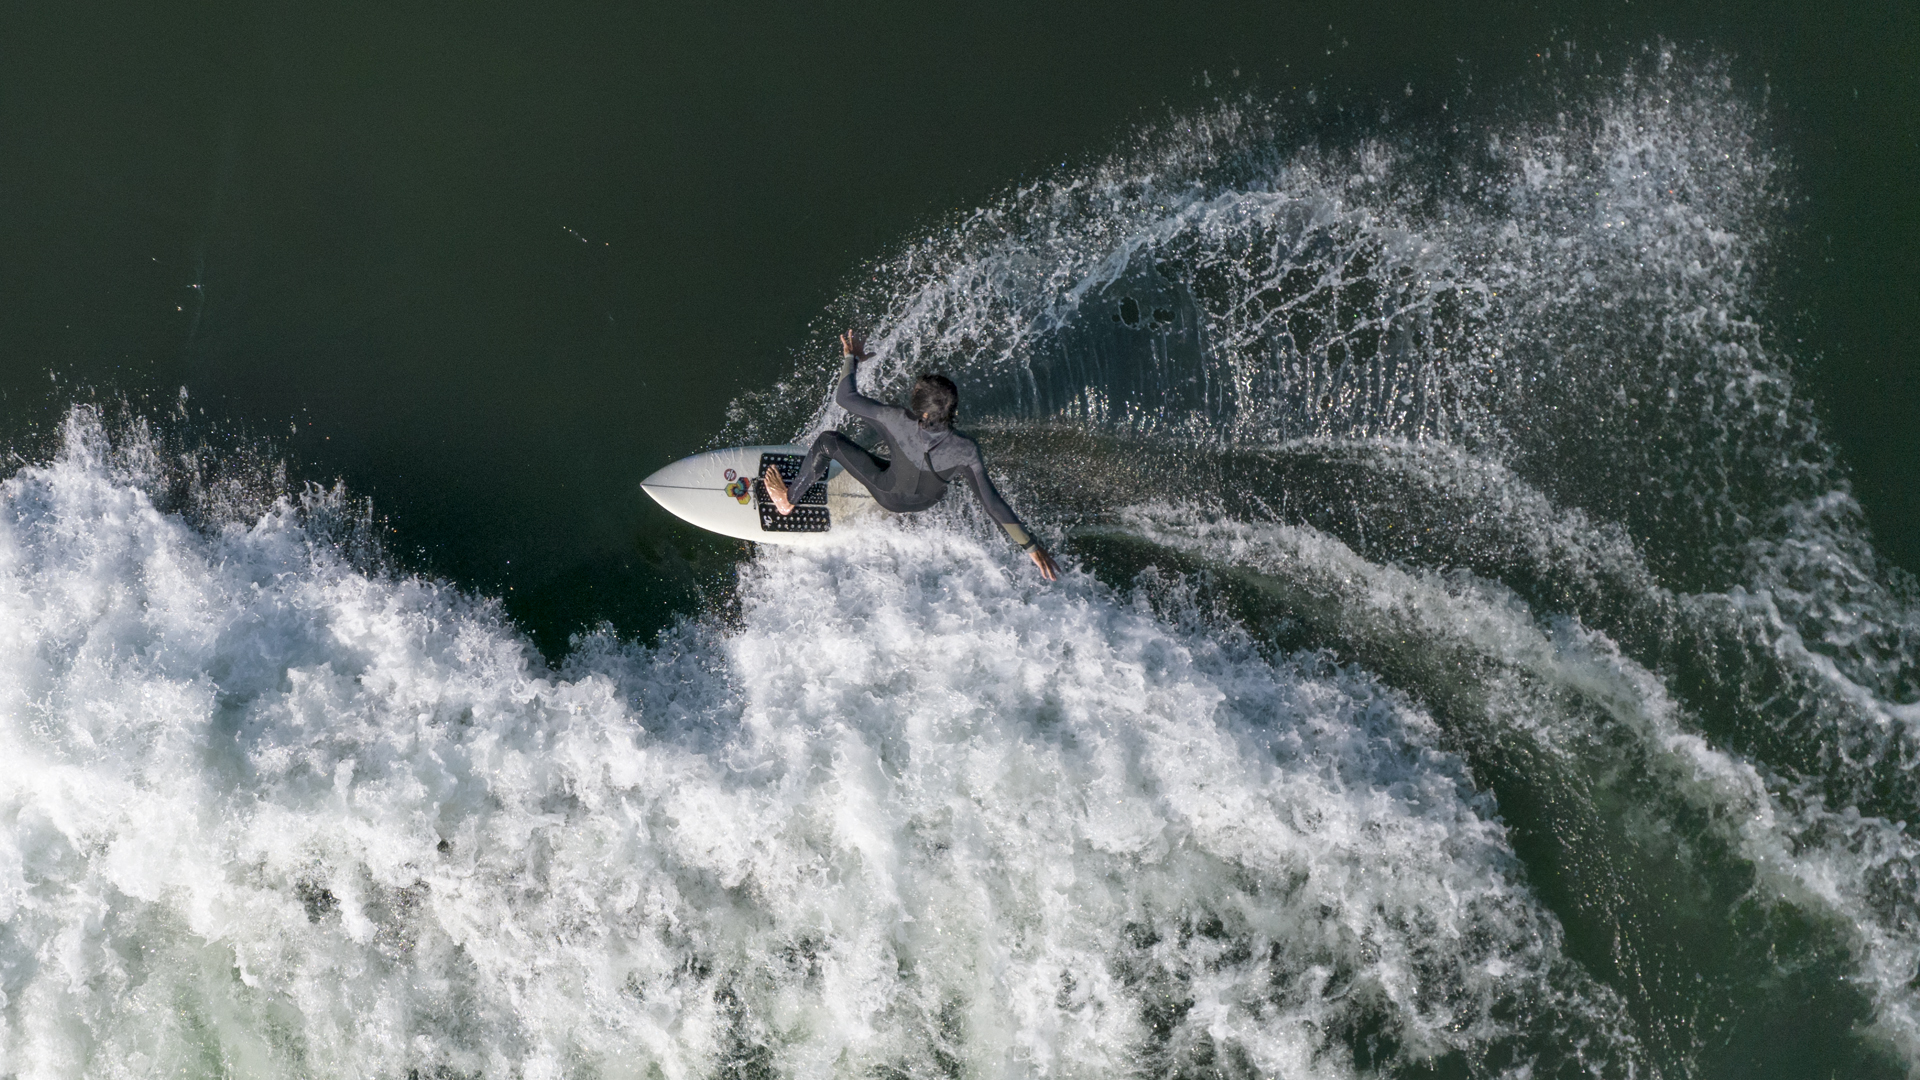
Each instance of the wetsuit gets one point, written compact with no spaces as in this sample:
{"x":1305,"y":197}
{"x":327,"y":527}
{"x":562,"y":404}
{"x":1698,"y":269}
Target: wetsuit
{"x":924,"y":460}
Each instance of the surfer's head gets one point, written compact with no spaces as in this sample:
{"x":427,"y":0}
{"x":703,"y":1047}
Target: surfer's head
{"x":934,"y":400}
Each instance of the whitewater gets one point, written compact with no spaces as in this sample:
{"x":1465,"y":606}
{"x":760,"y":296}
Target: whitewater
{"x":1471,"y":662}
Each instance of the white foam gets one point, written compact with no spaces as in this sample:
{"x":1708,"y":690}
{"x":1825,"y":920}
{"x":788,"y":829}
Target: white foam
{"x":1832,"y":862}
{"x":1572,"y":301}
{"x":915,"y":810}
{"x":268,"y":814}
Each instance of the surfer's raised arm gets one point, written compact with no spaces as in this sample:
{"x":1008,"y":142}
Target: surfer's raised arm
{"x":845,"y":393}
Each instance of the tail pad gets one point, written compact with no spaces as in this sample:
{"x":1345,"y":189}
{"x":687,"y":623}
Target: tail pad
{"x":809,"y":510}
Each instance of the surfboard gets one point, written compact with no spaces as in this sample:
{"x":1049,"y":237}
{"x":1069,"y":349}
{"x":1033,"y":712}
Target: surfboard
{"x":721,"y":491}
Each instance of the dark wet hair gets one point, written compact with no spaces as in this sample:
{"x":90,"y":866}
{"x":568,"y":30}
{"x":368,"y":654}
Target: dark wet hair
{"x":935,"y":398}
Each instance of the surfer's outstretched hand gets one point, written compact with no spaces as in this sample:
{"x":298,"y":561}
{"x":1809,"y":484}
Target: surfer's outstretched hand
{"x":852,"y":344}
{"x":777,"y":491}
{"x":1045,"y":562}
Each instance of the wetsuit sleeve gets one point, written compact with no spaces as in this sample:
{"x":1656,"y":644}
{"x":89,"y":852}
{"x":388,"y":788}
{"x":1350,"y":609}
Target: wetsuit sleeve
{"x":849,"y":397}
{"x":976,"y":473}
{"x":894,"y":422}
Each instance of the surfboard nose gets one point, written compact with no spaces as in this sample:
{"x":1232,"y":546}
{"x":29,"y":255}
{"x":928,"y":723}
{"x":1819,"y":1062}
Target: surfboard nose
{"x":714,"y":490}
{"x":654,"y":481}
{"x":680,"y":487}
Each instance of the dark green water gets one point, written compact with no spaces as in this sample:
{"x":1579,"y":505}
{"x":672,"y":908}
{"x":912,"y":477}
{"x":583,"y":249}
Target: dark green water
{"x":492,"y":263}
{"x":1523,"y":660}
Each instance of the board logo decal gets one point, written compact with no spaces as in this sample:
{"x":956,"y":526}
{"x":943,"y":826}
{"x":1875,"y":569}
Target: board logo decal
{"x":739,"y":490}
{"x":731,"y":475}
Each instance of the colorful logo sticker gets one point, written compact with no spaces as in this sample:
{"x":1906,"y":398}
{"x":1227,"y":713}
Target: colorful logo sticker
{"x":731,"y":474}
{"x":740,"y":490}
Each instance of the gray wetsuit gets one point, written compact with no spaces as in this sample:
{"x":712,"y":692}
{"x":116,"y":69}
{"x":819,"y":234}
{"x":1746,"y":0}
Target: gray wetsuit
{"x":921,"y":461}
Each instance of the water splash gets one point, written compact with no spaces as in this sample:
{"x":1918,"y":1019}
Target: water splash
{"x":1477,"y":666}
{"x":1538,"y":346}
{"x":274,"y":815}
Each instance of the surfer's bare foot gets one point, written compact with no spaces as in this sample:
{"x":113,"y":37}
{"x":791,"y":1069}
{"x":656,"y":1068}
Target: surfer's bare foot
{"x":777,"y":491}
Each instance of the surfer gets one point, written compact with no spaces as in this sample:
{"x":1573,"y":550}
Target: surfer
{"x":925,"y":454}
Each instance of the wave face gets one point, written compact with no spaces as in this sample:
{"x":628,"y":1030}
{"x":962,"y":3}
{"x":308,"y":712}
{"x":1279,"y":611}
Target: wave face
{"x":1496,"y":411}
{"x":1473,"y":664}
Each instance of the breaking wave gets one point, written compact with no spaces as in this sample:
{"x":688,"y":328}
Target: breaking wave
{"x":1471,"y":663}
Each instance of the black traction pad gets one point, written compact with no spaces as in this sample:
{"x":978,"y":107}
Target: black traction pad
{"x":809,"y":510}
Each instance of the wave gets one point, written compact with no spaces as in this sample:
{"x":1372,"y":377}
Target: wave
{"x":1529,"y":354}
{"x":276,"y":815}
{"x":1471,"y":662}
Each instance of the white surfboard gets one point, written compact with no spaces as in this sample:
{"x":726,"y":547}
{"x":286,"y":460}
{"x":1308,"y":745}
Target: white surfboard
{"x":720,"y":491}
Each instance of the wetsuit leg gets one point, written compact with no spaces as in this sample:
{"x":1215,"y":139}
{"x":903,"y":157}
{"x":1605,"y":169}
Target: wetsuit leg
{"x":851,"y":455}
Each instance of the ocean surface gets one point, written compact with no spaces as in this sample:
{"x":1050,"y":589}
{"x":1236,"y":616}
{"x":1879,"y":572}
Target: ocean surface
{"x":1479,"y":451}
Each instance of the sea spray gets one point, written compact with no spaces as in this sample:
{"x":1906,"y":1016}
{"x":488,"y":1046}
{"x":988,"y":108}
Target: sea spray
{"x":1680,"y":879}
{"x":1474,"y":663}
{"x":1536,"y":343}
